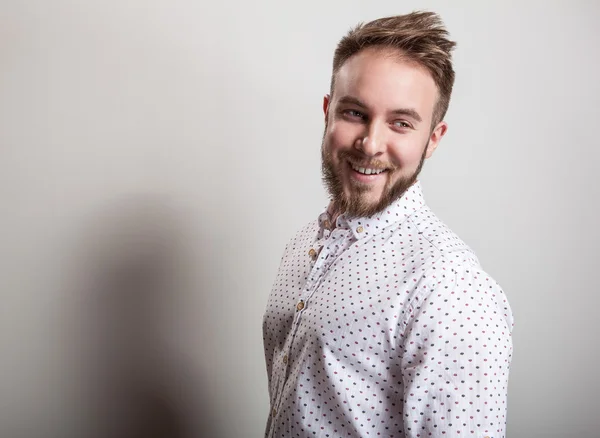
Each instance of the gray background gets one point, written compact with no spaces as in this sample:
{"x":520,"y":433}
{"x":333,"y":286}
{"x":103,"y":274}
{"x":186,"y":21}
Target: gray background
{"x":156,"y":156}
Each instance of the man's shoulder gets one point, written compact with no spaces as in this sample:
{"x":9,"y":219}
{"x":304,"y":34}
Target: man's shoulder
{"x":440,"y":241}
{"x":449,"y":265}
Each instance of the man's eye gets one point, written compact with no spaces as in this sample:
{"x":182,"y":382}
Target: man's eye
{"x":354,"y":113}
{"x":401,"y":124}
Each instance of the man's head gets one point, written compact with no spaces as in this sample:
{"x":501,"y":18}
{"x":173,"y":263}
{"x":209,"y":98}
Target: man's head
{"x":390,"y":89}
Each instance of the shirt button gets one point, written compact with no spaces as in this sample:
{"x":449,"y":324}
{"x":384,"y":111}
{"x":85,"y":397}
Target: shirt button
{"x":327,"y":224}
{"x":300,"y":305}
{"x":285,"y":359}
{"x":360,"y":229}
{"x":312,"y":253}
{"x":274,"y":412}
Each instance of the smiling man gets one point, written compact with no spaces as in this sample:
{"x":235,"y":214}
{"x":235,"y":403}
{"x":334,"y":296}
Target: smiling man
{"x":381,"y":322}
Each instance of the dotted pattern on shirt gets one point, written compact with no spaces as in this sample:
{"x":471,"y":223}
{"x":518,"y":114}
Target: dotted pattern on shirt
{"x":400,"y":332}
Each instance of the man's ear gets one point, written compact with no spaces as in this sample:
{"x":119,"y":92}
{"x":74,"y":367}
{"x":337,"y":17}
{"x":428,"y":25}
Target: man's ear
{"x":436,"y":137}
{"x":326,"y":102}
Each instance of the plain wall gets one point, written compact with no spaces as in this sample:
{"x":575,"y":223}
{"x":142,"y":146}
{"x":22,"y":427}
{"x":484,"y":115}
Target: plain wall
{"x":156,"y":156}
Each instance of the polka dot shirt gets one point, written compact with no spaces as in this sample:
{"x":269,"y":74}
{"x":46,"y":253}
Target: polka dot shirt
{"x":386,"y":327}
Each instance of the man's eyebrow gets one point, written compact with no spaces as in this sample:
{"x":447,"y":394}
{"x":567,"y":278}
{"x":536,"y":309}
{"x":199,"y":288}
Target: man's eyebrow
{"x":352,"y":100}
{"x":409,"y":112}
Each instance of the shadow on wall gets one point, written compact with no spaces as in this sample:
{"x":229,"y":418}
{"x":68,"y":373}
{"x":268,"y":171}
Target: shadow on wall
{"x":132,"y":285}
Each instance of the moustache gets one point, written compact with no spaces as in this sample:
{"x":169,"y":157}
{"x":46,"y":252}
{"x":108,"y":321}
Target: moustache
{"x":359,"y":161}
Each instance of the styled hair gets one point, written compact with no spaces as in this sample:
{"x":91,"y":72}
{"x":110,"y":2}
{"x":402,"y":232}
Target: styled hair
{"x":419,"y":37}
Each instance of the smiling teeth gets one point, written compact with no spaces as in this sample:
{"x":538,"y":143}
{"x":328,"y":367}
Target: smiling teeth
{"x":366,"y":171}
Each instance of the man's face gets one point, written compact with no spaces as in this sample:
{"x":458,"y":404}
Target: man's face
{"x":378,"y":131}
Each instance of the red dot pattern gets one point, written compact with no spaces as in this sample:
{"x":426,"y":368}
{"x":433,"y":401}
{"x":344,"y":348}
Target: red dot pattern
{"x":400,"y":333}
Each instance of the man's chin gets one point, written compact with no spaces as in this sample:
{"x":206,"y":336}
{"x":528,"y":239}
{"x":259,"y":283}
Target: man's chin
{"x":365,"y":202}
{"x":362,"y":205}
{"x":369,"y":192}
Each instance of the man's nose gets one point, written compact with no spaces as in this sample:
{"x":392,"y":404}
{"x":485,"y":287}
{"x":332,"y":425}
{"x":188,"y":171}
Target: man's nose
{"x":373,"y":141}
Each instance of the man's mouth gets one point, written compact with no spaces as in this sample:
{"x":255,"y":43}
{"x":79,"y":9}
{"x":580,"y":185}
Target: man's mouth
{"x":367,"y":170}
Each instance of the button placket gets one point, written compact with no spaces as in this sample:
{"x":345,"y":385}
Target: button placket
{"x":314,"y":278}
{"x":315,"y":273}
{"x":319,"y":257}
{"x":283,"y":371}
{"x":300,"y":306}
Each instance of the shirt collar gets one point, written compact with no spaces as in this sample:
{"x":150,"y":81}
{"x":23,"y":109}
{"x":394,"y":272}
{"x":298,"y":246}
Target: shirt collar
{"x":362,"y":227}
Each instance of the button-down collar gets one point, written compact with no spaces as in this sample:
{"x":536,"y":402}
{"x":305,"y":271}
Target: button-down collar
{"x":363,"y":227}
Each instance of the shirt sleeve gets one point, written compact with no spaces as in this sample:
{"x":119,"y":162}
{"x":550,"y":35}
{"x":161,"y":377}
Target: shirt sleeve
{"x":457,"y":349}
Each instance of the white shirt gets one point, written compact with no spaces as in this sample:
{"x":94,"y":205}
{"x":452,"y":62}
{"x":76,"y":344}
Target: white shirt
{"x":386,"y":327}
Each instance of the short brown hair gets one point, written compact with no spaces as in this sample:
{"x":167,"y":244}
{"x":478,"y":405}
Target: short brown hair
{"x":419,"y":36}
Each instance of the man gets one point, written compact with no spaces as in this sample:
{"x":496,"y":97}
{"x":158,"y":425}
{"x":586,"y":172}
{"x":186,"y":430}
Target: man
{"x":381,"y":321}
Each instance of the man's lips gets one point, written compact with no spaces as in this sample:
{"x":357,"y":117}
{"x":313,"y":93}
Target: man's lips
{"x":366,"y":173}
{"x":367,"y":170}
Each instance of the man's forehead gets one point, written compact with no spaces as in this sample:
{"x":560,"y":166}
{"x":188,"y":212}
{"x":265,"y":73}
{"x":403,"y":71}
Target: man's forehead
{"x":367,"y":63}
{"x":380,"y":77}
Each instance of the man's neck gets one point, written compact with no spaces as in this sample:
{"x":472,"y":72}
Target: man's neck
{"x":333,"y":211}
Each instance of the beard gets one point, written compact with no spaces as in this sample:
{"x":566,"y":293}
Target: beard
{"x":356,"y":204}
